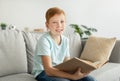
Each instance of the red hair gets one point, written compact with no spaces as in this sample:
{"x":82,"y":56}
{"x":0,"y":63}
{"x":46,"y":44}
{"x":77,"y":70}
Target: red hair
{"x":52,"y":11}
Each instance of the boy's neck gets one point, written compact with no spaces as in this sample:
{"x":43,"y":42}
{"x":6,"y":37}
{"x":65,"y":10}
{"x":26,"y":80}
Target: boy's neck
{"x":56,"y":38}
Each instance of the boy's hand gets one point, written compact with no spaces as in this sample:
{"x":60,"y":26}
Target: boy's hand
{"x":78,"y":74}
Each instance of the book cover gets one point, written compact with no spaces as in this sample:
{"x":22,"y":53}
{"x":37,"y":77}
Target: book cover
{"x":73,"y":64}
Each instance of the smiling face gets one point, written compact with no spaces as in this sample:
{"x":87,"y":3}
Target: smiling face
{"x":56,"y":24}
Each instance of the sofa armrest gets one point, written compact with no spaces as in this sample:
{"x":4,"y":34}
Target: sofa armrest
{"x":115,"y":56}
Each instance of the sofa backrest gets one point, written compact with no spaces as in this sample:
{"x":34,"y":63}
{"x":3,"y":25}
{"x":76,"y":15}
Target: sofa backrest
{"x":74,"y":42}
{"x":31,"y":39}
{"x":115,"y":56}
{"x":12,"y":52}
{"x":15,"y":44}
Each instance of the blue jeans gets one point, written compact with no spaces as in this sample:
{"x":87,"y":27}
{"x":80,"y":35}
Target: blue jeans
{"x":43,"y":77}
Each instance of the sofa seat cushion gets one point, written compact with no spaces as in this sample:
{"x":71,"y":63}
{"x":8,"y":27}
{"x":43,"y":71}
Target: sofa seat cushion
{"x":109,"y":72}
{"x":18,"y":77}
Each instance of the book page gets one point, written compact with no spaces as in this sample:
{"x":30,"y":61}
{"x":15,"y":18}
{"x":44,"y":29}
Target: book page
{"x":100,"y":63}
{"x":96,"y":64}
{"x":89,"y":62}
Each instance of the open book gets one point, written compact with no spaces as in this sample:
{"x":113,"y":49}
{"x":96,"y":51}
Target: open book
{"x":95,"y":54}
{"x":73,"y":64}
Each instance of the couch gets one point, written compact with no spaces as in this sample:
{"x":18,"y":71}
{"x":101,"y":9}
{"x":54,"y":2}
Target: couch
{"x":17,"y":52}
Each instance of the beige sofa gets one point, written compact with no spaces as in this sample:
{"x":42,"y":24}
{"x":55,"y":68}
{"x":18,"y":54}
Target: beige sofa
{"x":17,"y":51}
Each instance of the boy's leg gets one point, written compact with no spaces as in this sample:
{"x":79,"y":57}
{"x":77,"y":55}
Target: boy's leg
{"x":44,"y":77}
{"x":87,"y":78}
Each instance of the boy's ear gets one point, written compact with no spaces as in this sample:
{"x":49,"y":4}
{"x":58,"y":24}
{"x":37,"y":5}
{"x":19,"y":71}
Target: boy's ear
{"x":46,"y":24}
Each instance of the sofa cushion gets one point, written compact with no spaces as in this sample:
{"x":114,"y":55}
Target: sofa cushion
{"x":12,"y":52}
{"x":74,"y":42}
{"x":98,"y":48}
{"x":18,"y":77}
{"x":31,"y":39}
{"x":109,"y":72}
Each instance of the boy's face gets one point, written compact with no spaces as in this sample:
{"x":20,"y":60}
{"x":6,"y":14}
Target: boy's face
{"x":56,"y":24}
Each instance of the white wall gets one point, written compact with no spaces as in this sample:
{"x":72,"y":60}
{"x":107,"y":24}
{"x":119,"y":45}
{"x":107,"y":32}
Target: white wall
{"x":101,"y":14}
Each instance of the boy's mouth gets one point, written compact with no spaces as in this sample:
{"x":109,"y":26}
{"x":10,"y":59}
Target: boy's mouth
{"x":59,"y":30}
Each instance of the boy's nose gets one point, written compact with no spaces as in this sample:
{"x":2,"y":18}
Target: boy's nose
{"x":59,"y":24}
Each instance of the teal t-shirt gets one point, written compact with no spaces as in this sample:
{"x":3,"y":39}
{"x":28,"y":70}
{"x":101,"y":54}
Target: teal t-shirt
{"x":47,"y":46}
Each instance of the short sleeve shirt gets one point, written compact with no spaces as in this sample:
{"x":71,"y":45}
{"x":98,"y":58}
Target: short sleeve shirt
{"x":47,"y":46}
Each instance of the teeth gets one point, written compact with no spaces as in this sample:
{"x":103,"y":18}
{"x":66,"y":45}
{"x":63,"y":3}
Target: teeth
{"x":59,"y":30}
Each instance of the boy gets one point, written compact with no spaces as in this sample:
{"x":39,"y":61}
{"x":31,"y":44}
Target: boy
{"x":53,"y":49}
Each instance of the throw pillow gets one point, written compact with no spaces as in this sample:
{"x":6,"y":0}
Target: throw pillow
{"x":98,"y":48}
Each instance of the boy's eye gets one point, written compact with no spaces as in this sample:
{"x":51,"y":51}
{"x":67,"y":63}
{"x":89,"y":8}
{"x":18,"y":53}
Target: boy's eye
{"x":62,"y":21}
{"x":54,"y":22}
{"x":57,"y":22}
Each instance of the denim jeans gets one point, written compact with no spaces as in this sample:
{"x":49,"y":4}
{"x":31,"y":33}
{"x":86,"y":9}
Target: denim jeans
{"x":43,"y":77}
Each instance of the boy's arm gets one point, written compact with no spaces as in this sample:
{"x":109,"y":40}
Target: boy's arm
{"x":51,"y":71}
